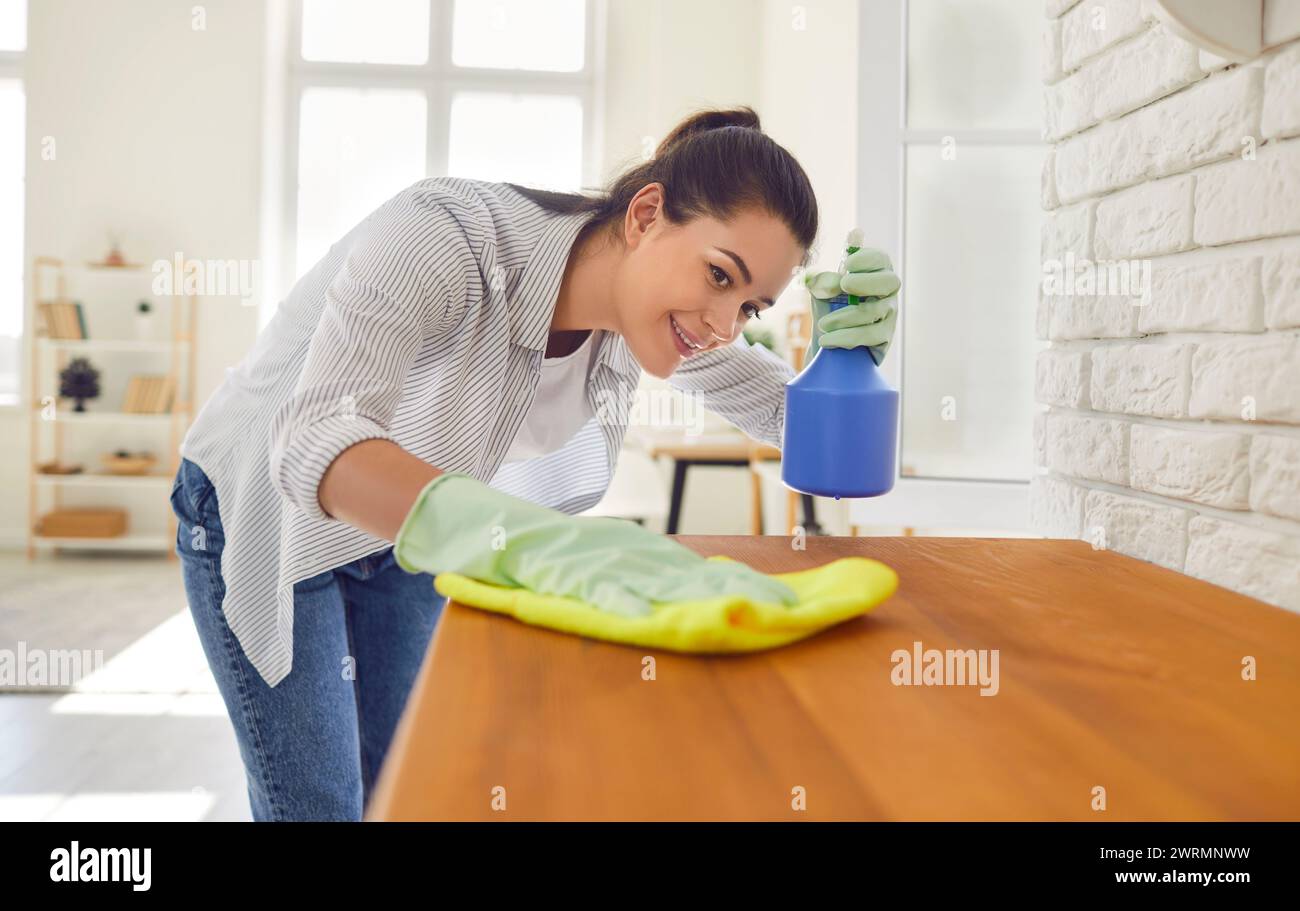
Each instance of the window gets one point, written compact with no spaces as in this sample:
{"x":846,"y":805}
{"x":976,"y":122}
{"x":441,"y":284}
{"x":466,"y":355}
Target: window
{"x":971,"y":218}
{"x":385,"y":93}
{"x":950,"y":176}
{"x":13,"y":42}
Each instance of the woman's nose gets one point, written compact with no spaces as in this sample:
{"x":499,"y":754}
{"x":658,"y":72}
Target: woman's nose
{"x":710,"y":324}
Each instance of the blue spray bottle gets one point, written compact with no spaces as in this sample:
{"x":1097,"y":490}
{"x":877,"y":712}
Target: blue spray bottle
{"x":841,"y":421}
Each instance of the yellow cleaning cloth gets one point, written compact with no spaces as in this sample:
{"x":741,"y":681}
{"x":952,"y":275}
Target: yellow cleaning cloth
{"x":828,"y":594}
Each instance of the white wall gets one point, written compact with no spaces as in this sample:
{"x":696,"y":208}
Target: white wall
{"x":667,"y":58}
{"x":156,"y":131}
{"x":1173,"y":428}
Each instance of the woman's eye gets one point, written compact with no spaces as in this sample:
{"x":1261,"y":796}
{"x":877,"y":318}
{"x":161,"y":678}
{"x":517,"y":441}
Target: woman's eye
{"x":754,"y":312}
{"x":722,"y":278}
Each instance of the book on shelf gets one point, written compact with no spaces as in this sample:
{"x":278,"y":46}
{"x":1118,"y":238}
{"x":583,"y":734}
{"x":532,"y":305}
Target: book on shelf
{"x":64,"y":320}
{"x":149,"y":395}
{"x":166,"y":392}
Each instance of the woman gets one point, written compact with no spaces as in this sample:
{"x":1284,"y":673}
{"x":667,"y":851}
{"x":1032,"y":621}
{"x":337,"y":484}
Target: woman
{"x":445,"y":390}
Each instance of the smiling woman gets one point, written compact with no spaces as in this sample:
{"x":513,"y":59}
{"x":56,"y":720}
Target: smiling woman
{"x":681,"y":250}
{"x":444,"y":392}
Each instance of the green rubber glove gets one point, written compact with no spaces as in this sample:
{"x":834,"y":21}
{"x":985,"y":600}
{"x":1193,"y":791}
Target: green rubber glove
{"x":459,"y":524}
{"x":870,"y":323}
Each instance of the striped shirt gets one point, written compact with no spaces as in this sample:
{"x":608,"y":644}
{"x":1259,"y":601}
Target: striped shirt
{"x":425,"y":325}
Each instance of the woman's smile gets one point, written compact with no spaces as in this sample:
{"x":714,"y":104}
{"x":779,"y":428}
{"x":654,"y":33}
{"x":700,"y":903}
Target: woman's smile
{"x":683,"y":341}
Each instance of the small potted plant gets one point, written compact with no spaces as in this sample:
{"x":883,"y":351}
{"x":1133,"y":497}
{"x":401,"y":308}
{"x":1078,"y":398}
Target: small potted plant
{"x":144,"y":320}
{"x":114,"y":259}
{"x":79,"y":381}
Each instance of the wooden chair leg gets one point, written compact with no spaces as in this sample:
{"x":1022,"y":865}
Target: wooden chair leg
{"x":755,"y":503}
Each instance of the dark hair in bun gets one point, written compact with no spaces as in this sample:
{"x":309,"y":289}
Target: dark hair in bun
{"x":714,"y":163}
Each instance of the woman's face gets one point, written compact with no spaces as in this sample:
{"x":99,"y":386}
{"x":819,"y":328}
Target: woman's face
{"x":704,"y":279}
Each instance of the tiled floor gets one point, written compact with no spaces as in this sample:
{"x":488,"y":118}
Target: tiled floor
{"x":144,"y":737}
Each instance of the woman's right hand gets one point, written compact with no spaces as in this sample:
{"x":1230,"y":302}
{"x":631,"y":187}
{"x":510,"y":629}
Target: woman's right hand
{"x":868,"y":275}
{"x":459,"y":524}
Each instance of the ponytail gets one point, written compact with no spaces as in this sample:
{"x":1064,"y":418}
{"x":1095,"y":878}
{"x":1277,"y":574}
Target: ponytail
{"x":715,"y":163}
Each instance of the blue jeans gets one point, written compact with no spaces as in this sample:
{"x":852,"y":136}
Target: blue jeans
{"x":313,"y":744}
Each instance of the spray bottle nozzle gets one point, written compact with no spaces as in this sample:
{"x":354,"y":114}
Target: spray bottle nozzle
{"x":852,"y":244}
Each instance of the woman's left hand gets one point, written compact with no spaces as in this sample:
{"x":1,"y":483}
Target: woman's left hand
{"x":868,"y":324}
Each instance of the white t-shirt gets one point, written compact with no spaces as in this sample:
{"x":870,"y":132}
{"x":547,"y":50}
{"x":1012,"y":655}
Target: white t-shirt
{"x":560,"y":408}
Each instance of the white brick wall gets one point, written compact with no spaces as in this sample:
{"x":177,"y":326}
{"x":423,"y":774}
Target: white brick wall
{"x":1146,"y":220}
{"x":1171,"y":410}
{"x":1162,"y":139}
{"x":1092,"y":27}
{"x":1094,"y":449}
{"x":1151,"y":379}
{"x":1221,"y":296}
{"x":1240,"y":200}
{"x":1203,"y":466}
{"x":1280,"y":278}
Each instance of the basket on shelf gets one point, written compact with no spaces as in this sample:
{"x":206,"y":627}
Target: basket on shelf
{"x":57,"y":468}
{"x":125,"y":463}
{"x":83,"y":523}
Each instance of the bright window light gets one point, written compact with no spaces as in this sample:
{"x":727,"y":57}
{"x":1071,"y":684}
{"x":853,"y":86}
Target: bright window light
{"x":519,"y":34}
{"x":492,"y":73}
{"x":13,"y":25}
{"x":972,"y":237}
{"x":132,"y":806}
{"x":488,"y":141}
{"x":168,"y":659}
{"x":356,"y":148}
{"x":377,"y":31}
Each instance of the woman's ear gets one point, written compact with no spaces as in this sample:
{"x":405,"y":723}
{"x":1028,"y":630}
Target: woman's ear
{"x":643,"y":211}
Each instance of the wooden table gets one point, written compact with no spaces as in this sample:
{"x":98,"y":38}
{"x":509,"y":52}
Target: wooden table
{"x":1113,"y":673}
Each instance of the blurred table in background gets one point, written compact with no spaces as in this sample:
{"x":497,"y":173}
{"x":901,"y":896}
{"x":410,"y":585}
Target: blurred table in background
{"x":731,"y":450}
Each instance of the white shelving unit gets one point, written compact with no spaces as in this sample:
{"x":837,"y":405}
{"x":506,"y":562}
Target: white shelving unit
{"x":51,"y":416}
